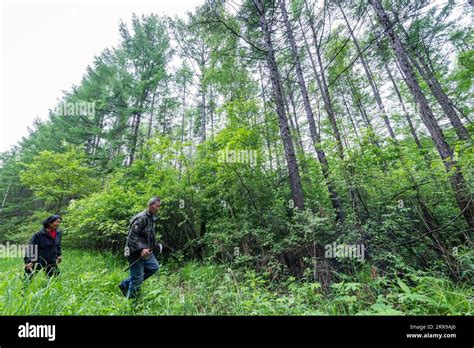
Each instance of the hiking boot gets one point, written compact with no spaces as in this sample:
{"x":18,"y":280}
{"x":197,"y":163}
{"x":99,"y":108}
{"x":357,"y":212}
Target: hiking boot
{"x":123,"y":288}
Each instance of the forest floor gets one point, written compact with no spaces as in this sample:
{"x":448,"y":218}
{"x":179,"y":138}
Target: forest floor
{"x":88,"y":286}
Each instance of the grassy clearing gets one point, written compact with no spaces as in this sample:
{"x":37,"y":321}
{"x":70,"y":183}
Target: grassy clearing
{"x":88,"y":286}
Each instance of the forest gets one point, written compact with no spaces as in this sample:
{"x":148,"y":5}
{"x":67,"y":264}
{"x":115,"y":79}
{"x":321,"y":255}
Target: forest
{"x":312,"y":157}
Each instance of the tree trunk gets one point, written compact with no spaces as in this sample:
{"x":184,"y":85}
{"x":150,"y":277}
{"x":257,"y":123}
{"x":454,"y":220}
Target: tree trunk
{"x":350,"y":117}
{"x":267,"y":140}
{"x":136,"y":127}
{"x":203,"y":113}
{"x":182,"y":128}
{"x":322,"y":85}
{"x":462,"y":195}
{"x":337,"y":205}
{"x":363,"y":113}
{"x":368,"y":73}
{"x":293,"y":107}
{"x":150,"y":124}
{"x":437,"y":91}
{"x":295,"y":132}
{"x":211,"y":111}
{"x":295,"y":179}
{"x":405,"y":111}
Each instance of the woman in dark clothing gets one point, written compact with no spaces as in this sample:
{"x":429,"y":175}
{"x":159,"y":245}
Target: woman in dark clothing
{"x":45,"y":252}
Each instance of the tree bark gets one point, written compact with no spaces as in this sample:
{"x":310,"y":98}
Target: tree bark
{"x":337,"y":205}
{"x":150,"y":124}
{"x":203,"y":112}
{"x":136,"y":127}
{"x":295,"y":179}
{"x":267,"y":135}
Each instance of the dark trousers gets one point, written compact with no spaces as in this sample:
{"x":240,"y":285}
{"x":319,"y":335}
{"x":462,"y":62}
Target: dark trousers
{"x":140,"y":271}
{"x":51,"y":269}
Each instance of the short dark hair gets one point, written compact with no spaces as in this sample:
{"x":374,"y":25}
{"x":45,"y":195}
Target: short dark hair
{"x":51,"y":219}
{"x":153,"y":200}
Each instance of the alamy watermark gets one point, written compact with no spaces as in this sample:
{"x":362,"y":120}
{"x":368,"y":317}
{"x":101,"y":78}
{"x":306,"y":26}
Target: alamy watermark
{"x":8,"y":250}
{"x":37,"y":331}
{"x":348,"y":251}
{"x":81,"y":108}
{"x":237,"y":156}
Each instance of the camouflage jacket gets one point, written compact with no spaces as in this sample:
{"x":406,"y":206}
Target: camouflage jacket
{"x":141,"y":234}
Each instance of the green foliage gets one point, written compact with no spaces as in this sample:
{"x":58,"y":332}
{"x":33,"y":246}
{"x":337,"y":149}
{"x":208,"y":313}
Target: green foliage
{"x":101,"y":219}
{"x":58,"y":177}
{"x":23,"y":231}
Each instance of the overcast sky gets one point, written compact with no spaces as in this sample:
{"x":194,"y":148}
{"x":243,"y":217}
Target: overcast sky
{"x":47,"y":45}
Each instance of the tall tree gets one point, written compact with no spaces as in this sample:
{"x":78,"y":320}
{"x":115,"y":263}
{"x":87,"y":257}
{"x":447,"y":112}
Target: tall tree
{"x":295,"y":179}
{"x":336,"y":202}
{"x":461,"y":192}
{"x":144,"y":55}
{"x":368,"y":73}
{"x":424,"y":65}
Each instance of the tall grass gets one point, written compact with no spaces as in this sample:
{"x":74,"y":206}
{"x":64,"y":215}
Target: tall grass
{"x":88,"y":286}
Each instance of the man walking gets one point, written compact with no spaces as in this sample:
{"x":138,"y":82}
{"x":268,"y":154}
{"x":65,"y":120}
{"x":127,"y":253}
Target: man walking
{"x":139,"y":249}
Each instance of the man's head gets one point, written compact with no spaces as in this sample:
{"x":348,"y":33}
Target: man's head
{"x":52,"y":222}
{"x":154,"y":205}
